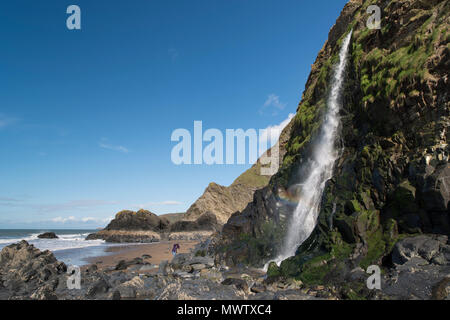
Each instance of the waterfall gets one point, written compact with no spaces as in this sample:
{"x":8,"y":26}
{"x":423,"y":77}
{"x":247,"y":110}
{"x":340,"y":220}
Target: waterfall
{"x":319,"y":166}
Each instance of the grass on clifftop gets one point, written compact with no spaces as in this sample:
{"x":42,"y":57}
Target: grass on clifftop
{"x":252,"y":177}
{"x":384,"y":71}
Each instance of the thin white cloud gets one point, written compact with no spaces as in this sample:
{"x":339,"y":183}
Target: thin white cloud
{"x":63,"y":219}
{"x":105,"y":145}
{"x":269,"y":136}
{"x":72,"y":219}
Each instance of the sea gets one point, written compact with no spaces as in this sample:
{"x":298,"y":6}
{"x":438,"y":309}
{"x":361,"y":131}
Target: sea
{"x":71,"y":247}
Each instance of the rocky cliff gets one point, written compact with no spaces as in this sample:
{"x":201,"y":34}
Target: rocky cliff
{"x":224,"y":201}
{"x":221,"y":201}
{"x":392,"y":181}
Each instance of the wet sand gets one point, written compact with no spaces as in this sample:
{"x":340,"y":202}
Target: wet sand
{"x":158,"y":251}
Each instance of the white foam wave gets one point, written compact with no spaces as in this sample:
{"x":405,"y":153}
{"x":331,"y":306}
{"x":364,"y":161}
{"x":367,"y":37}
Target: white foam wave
{"x":64,"y":241}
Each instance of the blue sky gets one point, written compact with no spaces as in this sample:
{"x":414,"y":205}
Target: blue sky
{"x":86,"y":115}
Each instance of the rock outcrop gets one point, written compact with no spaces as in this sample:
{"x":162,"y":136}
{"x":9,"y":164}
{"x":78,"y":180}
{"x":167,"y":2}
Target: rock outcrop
{"x":140,"y":220}
{"x":144,"y":227}
{"x":26,"y":272}
{"x":130,"y":226}
{"x":48,"y":235}
{"x":392,"y":179}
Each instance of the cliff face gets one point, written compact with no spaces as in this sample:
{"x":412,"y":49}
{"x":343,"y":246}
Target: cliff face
{"x":223,"y":201}
{"x":393,"y":177}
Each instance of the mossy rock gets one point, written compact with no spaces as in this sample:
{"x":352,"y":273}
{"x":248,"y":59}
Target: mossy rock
{"x":273,"y":270}
{"x":367,"y":223}
{"x":345,"y":225}
{"x":200,"y":253}
{"x":404,"y":197}
{"x":352,"y":206}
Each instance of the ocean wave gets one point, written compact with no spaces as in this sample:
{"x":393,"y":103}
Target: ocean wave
{"x":64,"y":241}
{"x":33,"y":236}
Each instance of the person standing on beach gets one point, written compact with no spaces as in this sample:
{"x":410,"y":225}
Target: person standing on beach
{"x":175,"y":248}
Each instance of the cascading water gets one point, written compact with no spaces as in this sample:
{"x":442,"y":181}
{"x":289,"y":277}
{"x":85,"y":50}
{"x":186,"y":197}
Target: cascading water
{"x":319,"y":167}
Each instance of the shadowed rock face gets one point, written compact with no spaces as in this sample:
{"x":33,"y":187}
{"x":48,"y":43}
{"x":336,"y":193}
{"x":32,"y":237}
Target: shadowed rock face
{"x":206,"y":222}
{"x":392,"y":179}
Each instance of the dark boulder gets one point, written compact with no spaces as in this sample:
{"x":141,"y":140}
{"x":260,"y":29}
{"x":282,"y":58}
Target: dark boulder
{"x":421,"y":268}
{"x":48,"y":235}
{"x":258,"y":288}
{"x":240,"y":284}
{"x":436,"y":189}
{"x":423,"y":246}
{"x":123,"y":264}
{"x":99,"y":287}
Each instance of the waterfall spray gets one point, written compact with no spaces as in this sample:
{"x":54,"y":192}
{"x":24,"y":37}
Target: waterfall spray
{"x":319,"y":167}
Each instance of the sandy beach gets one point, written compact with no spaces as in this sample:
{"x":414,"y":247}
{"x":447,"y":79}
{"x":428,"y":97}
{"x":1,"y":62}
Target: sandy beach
{"x":158,"y":251}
